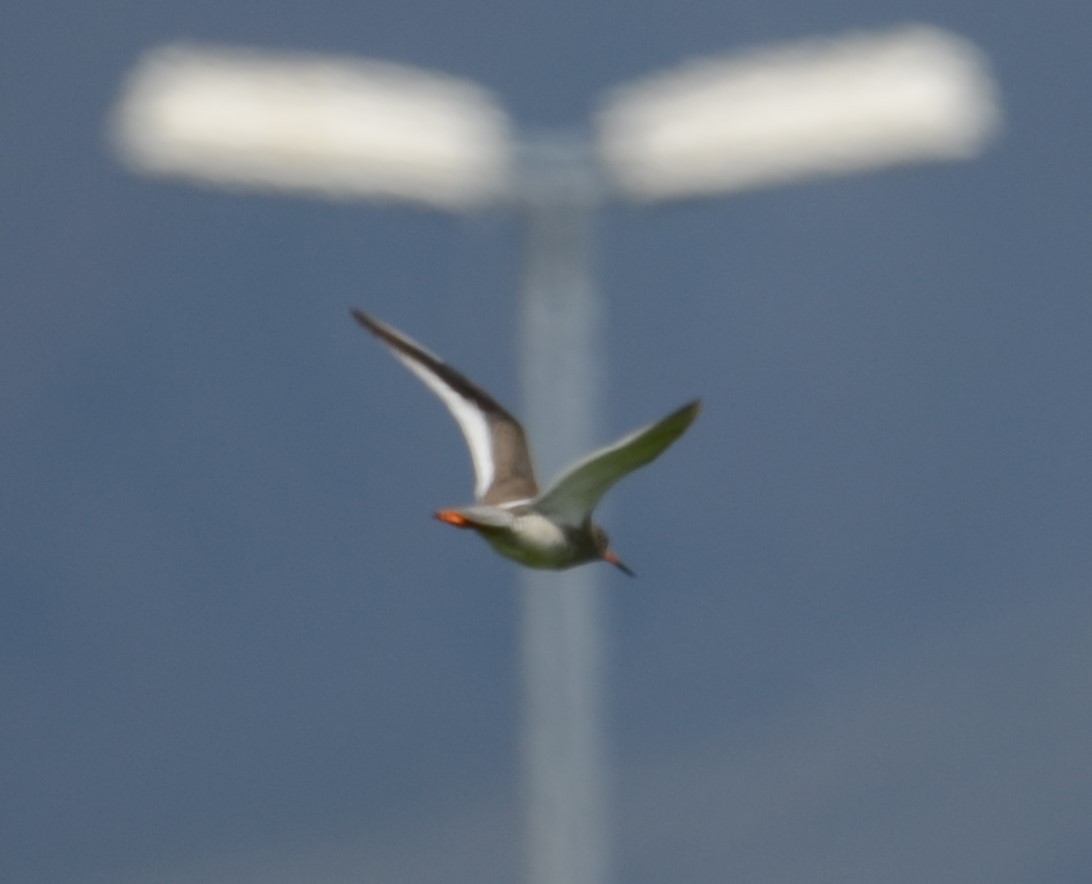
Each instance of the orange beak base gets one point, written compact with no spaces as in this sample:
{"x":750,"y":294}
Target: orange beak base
{"x":609,"y":556}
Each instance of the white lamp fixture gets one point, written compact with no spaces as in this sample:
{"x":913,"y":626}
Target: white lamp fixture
{"x":782,"y":114}
{"x":331,"y":127}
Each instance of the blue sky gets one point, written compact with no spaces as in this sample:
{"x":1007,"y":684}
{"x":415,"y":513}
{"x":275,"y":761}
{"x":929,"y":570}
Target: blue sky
{"x":235,"y":647}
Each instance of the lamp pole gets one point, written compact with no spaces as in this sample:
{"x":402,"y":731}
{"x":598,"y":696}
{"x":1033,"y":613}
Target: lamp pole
{"x":350,"y":128}
{"x":562,"y":614}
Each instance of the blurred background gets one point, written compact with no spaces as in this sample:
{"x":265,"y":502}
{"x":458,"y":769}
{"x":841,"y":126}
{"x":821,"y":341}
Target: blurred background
{"x":235,"y":648}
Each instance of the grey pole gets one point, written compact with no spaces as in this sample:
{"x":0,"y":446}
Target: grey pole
{"x":562,"y":613}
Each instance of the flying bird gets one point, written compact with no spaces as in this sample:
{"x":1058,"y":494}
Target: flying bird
{"x":550,"y":529}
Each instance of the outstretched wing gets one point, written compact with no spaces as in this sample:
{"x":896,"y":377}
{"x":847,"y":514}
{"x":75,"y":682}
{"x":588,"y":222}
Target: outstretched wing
{"x":575,"y":494}
{"x":498,"y":447}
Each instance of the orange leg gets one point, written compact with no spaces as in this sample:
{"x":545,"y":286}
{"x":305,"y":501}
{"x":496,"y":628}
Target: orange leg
{"x":453,"y":518}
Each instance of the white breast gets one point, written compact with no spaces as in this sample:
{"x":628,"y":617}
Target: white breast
{"x":539,"y":532}
{"x":534,"y":540}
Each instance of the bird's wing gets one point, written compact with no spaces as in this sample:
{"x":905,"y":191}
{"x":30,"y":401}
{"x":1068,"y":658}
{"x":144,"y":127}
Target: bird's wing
{"x":573,"y":496}
{"x":498,"y":447}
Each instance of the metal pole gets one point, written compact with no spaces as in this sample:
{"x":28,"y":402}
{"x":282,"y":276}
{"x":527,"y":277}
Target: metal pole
{"x":562,"y":613}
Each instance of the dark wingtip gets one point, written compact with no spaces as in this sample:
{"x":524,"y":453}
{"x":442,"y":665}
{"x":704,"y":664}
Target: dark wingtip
{"x":363,"y":318}
{"x":377,"y":328}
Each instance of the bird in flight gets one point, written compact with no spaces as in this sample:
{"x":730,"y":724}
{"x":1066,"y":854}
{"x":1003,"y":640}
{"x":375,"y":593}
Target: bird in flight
{"x":550,"y":529}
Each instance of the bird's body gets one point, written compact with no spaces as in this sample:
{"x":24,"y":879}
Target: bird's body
{"x":552,"y":529}
{"x":529,"y":538}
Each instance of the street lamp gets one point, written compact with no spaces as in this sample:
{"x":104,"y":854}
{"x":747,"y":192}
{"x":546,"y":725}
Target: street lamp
{"x":349,"y":129}
{"x":341,"y":128}
{"x":814,"y":108}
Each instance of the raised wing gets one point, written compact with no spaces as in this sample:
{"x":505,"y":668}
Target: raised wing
{"x":576,"y":492}
{"x":498,"y":447}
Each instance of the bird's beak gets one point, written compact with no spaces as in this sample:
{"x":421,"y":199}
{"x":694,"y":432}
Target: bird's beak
{"x":609,"y":556}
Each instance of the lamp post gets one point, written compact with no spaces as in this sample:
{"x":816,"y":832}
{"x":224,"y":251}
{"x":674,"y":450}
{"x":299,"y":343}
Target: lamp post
{"x":561,"y":641}
{"x":352,"y":129}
